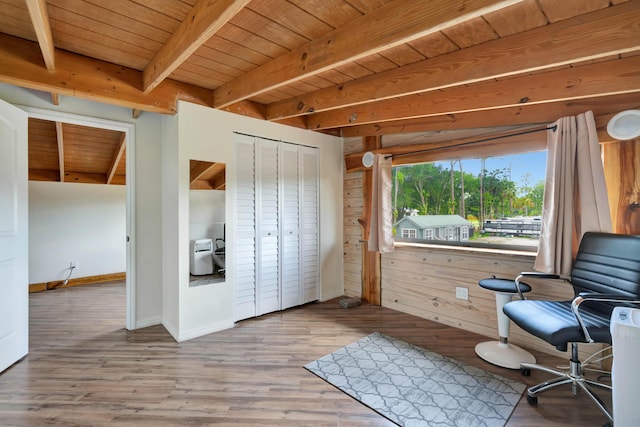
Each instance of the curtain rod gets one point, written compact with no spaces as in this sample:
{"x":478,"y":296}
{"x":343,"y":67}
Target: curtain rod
{"x":553,"y":128}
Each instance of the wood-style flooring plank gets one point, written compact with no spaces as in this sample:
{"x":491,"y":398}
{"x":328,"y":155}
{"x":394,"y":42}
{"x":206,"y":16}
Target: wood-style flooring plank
{"x":85,"y":369}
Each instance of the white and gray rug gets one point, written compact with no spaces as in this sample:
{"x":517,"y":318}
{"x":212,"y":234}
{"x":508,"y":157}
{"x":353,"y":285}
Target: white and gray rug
{"x":415,"y":387}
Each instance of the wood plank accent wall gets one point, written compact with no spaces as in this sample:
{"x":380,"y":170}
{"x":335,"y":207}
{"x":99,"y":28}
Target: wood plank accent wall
{"x":622,"y":173}
{"x":421,"y":281}
{"x":353,"y":207}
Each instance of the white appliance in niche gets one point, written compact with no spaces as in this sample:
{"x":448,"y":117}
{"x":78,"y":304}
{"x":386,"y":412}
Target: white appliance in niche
{"x":200,"y":257}
{"x":625,"y":374}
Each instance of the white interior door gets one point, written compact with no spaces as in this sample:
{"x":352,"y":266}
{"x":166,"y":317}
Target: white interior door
{"x":14,"y":255}
{"x":310,"y":224}
{"x":268,"y":274}
{"x":289,"y":225}
{"x":245,"y":231}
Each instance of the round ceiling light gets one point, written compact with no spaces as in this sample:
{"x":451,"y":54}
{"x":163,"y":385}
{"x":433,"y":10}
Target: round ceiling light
{"x":625,"y":125}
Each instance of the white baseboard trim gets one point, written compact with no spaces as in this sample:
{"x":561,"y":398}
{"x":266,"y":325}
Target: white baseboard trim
{"x":149,"y":321}
{"x":204,"y":330}
{"x":171,"y":329}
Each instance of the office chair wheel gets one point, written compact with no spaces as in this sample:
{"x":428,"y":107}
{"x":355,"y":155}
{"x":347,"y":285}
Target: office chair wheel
{"x":532,"y":400}
{"x":525,"y":372}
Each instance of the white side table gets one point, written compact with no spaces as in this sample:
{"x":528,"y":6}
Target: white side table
{"x":501,"y":353}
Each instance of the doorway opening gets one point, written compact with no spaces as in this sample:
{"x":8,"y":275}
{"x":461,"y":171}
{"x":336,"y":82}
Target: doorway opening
{"x":89,"y":151}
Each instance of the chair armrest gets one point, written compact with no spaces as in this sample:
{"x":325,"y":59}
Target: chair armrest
{"x":534,"y":274}
{"x":594,"y":296}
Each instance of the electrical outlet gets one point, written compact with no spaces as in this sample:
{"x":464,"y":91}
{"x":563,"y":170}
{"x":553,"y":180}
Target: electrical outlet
{"x":74,"y":265}
{"x":462,"y":293}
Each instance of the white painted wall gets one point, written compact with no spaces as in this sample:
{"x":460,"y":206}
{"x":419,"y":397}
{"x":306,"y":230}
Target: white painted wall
{"x":75,"y":222}
{"x":148,"y":189}
{"x":170,"y":252}
{"x":207,"y":134}
{"x":164,"y":145}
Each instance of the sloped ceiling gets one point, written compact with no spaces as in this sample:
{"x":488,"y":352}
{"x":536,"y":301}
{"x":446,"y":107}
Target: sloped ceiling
{"x":346,"y":67}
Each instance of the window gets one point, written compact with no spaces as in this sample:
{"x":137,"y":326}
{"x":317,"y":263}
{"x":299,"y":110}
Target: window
{"x":494,"y":202}
{"x":428,"y":234}
{"x":448,"y":233}
{"x":464,"y":233}
{"x":409,"y":233}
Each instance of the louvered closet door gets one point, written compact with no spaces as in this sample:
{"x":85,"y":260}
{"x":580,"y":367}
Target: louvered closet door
{"x":268,"y":274}
{"x":277,"y":231}
{"x":245,"y":233}
{"x":291,"y":284}
{"x":310,"y":223}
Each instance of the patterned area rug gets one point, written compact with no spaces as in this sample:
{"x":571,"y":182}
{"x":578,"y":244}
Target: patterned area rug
{"x":415,"y":387}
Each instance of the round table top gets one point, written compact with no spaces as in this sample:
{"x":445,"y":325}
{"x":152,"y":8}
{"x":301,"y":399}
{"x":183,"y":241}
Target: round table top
{"x":503,"y":285}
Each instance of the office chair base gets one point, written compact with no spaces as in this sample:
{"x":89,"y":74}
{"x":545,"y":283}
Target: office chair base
{"x":574,"y":377}
{"x":503,"y":354}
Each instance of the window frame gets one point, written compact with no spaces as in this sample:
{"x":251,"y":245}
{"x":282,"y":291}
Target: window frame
{"x":466,"y":153}
{"x":429,"y":234}
{"x":464,"y":233}
{"x":409,"y":230}
{"x":449,"y":234}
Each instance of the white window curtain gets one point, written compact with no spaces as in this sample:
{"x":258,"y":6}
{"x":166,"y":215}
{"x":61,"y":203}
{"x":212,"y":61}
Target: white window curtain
{"x":575,"y":194}
{"x":380,"y":234}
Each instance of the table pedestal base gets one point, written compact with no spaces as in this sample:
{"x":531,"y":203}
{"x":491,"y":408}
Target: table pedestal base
{"x":504,"y":354}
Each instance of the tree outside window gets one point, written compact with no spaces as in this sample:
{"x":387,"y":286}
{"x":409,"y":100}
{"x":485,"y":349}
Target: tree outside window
{"x":500,"y":198}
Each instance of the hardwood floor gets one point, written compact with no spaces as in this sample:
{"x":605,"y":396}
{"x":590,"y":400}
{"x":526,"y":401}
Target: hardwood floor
{"x":85,"y":369}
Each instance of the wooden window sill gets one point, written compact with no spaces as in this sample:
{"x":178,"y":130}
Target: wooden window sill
{"x":467,"y":249}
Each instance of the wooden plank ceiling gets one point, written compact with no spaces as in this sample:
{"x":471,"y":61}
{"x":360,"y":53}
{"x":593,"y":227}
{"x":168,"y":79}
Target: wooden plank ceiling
{"x":71,"y":153}
{"x":346,"y":67}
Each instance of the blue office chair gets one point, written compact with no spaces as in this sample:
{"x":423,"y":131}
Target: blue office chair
{"x":605,"y":273}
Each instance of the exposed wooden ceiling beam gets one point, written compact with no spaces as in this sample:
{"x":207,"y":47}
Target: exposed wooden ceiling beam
{"x":519,"y":115}
{"x":117,"y":155}
{"x":570,"y":41}
{"x":60,"y":138}
{"x":203,"y":21}
{"x":43,"y":175}
{"x":55,"y":98}
{"x":135,"y":113}
{"x":198,"y":168}
{"x":600,"y":79}
{"x":40,"y":20}
{"x":483,"y":143}
{"x":86,"y":78}
{"x":75,"y":177}
{"x":248,"y":108}
{"x":218,"y":181}
{"x":453,"y":149}
{"x":396,"y":23}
